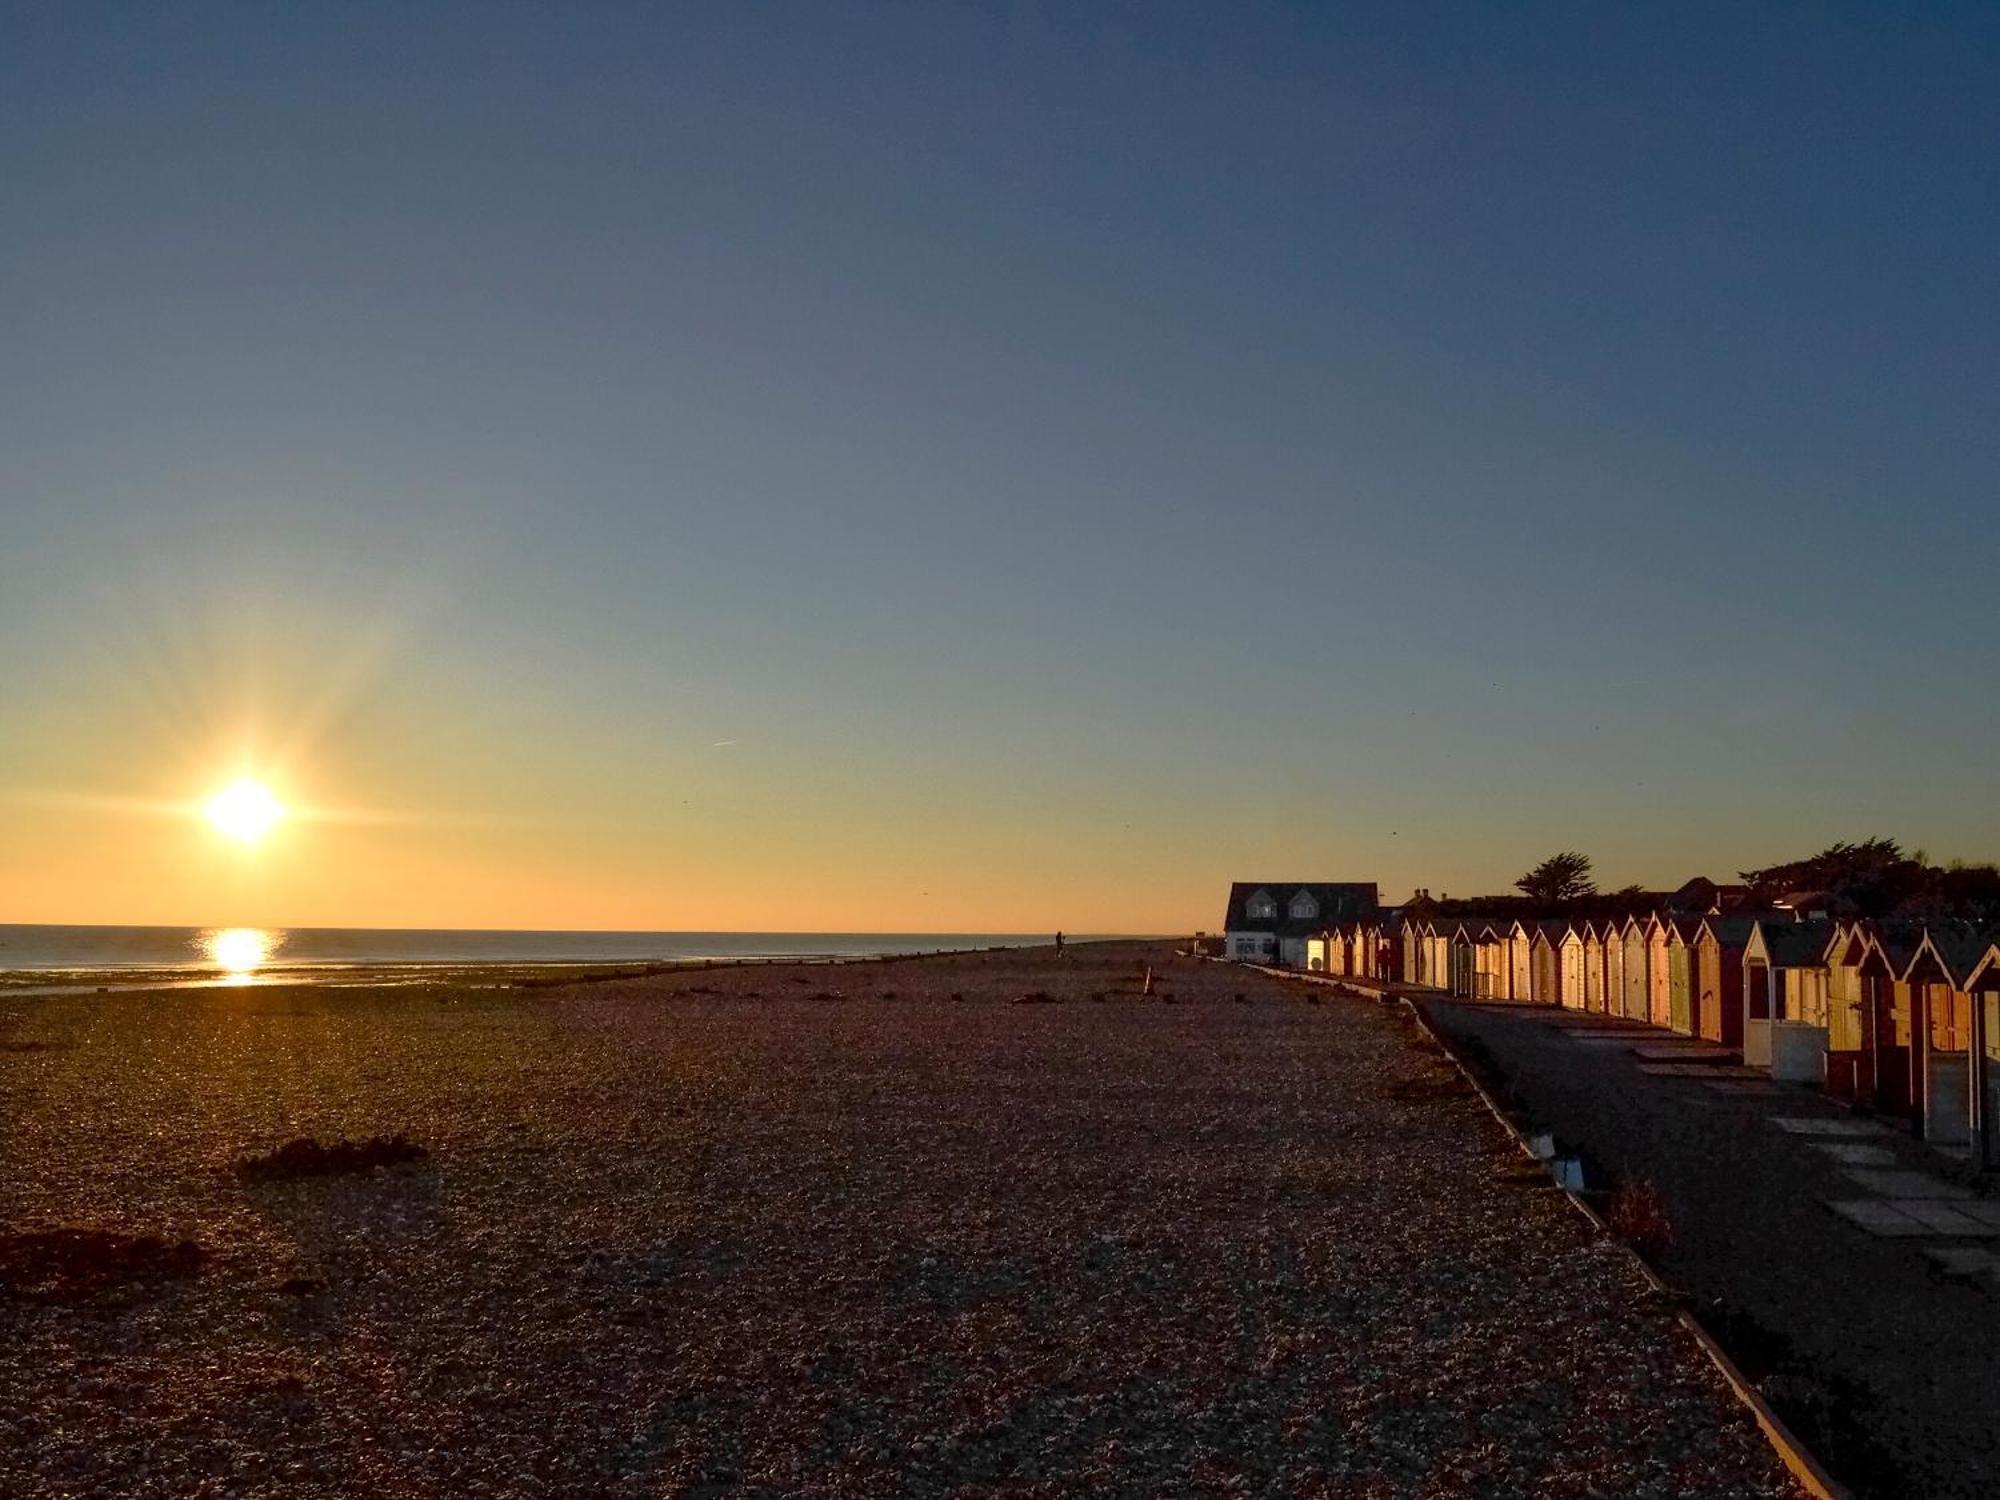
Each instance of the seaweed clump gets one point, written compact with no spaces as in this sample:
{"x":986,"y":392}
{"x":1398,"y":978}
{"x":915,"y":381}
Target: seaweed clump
{"x":306,"y":1157}
{"x":76,"y":1265}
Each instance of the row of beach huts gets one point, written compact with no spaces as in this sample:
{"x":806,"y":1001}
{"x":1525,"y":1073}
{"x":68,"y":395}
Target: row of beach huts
{"x":1903,"y":1018}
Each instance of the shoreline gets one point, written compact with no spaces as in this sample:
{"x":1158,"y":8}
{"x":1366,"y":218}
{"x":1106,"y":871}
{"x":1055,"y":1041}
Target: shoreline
{"x":477,"y":974}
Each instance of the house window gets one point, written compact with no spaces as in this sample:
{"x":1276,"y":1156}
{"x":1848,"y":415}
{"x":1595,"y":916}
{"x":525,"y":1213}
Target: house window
{"x":1260,"y":908}
{"x":1304,"y":908}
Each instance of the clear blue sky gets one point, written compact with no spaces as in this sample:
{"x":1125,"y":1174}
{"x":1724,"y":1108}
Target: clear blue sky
{"x":1077,"y":455}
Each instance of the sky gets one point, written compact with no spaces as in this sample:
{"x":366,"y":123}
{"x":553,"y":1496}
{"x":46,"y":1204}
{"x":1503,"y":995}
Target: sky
{"x":998,"y":468}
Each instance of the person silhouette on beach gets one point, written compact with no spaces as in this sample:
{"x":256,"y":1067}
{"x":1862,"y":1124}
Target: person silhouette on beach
{"x":1058,"y":942}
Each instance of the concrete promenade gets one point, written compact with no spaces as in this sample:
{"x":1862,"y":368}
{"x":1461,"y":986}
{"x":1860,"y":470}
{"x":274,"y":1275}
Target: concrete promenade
{"x":1835,"y":1257}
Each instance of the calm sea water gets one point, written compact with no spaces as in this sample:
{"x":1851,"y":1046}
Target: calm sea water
{"x":244,"y":950}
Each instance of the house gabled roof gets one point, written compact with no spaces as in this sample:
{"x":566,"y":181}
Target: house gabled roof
{"x":1337,"y":902}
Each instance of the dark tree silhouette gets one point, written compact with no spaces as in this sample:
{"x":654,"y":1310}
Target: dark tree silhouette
{"x":1874,"y":878}
{"x":1559,"y":879}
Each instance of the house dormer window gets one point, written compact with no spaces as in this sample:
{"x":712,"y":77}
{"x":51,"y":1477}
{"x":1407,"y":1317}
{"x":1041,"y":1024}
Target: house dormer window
{"x":1260,"y":908}
{"x":1304,"y":908}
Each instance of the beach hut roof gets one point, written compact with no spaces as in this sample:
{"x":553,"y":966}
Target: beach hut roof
{"x":1956,"y":951}
{"x":1795,"y":945}
{"x":1985,"y":974}
{"x":1732,"y":932}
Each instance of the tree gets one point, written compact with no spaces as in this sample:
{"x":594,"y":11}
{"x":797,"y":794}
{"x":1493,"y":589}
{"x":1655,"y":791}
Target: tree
{"x":1874,"y":876}
{"x":1557,"y":880}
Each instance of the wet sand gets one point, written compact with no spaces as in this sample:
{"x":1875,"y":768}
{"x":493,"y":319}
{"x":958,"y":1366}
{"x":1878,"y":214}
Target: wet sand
{"x":865,"y":1229}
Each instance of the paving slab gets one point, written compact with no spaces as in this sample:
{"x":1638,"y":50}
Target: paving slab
{"x":1985,"y":1210}
{"x":1683,"y":1052}
{"x":1858,"y":1156}
{"x":1746,"y":1086}
{"x":1881,"y":1219}
{"x":1963,"y":1260}
{"x":1700,"y":1070}
{"x":1903,"y":1184}
{"x":1944,"y":1217}
{"x":1808,"y":1126}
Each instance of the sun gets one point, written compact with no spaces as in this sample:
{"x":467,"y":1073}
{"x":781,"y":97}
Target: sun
{"x":244,"y":810}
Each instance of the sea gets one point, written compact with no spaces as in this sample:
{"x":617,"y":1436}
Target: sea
{"x":69,"y":955}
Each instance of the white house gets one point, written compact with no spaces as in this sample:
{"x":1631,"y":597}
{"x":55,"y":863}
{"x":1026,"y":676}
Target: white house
{"x":1271,"y":921}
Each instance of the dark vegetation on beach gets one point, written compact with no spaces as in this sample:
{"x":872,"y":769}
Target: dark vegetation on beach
{"x":80,"y":1265}
{"x":308,"y":1158}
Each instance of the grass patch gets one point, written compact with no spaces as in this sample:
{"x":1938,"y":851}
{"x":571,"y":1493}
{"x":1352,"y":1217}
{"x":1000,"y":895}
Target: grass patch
{"x":1637,"y":1214}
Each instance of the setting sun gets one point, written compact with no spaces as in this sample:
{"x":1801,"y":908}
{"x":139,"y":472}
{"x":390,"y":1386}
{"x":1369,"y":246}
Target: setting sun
{"x":245,"y":810}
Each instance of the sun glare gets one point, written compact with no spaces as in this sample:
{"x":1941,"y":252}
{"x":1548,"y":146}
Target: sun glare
{"x":244,"y":810}
{"x":238,"y":951}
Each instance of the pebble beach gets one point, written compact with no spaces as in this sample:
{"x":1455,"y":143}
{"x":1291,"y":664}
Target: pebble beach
{"x":976,"y":1225}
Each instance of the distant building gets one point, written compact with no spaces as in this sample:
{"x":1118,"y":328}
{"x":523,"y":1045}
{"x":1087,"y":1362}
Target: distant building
{"x":1271,"y":921}
{"x":1702,"y":897}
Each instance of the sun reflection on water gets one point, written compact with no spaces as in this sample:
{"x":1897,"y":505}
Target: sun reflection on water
{"x":239,"y":951}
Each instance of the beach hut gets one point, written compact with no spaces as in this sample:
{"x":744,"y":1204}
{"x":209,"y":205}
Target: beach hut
{"x":1634,"y":962}
{"x":1464,"y":960}
{"x":1384,"y":952}
{"x":1849,"y":1050}
{"x":1490,"y":959}
{"x":1659,"y":987}
{"x":1593,"y":968}
{"x":1574,"y":948}
{"x":1545,"y":964}
{"x":1520,"y":961}
{"x":1438,"y":941}
{"x":1983,"y":985}
{"x":1844,"y":1052}
{"x":1719,"y":979}
{"x":1681,"y":933}
{"x":1340,"y":950}
{"x":1939,"y":978}
{"x":1784,"y":997}
{"x":1339,"y":945}
{"x":1611,"y":942}
{"x":1880,"y":954}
